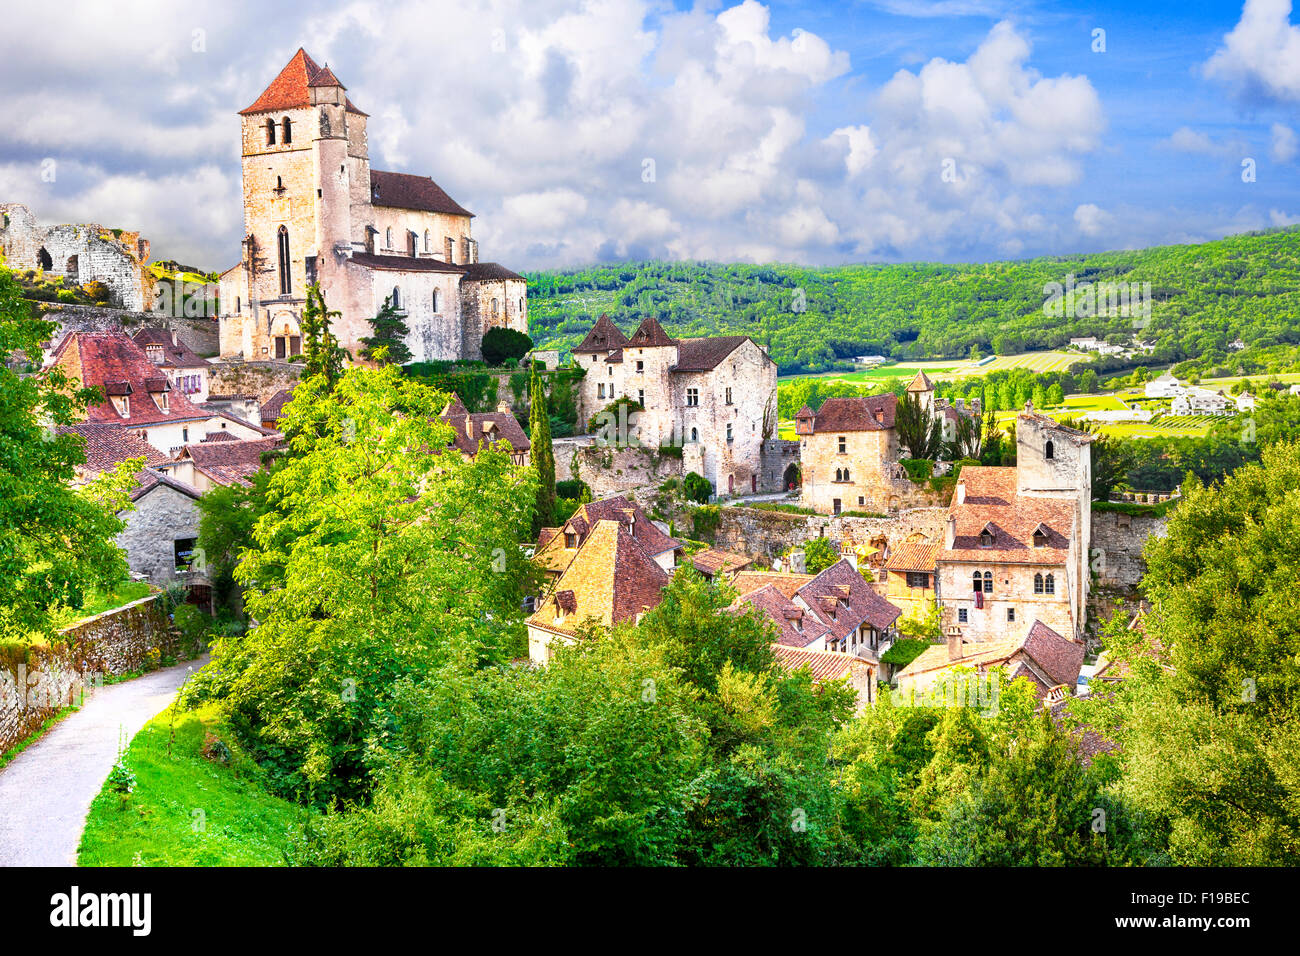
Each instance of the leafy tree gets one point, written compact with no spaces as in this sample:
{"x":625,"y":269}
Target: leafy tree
{"x":968,"y":438}
{"x":819,"y":555}
{"x":375,"y":563}
{"x":56,"y":542}
{"x":920,"y":434}
{"x":228,"y":514}
{"x":543,"y":454}
{"x":696,"y":487}
{"x":502,"y":346}
{"x":388,"y":344}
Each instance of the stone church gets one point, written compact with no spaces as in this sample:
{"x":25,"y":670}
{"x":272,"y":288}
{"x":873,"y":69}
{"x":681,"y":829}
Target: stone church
{"x":314,"y":211}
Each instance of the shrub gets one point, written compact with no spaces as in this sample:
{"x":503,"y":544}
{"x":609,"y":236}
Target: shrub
{"x":596,"y":421}
{"x":696,"y":487}
{"x":705,"y":520}
{"x":501,"y":346}
{"x":194,"y":626}
{"x":918,"y":469}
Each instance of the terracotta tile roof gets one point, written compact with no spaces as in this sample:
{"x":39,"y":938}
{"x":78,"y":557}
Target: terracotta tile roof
{"x":824,"y":665}
{"x":325,"y":77}
{"x":228,"y":463}
{"x":603,"y":337}
{"x":611,"y":579}
{"x":704,"y":355}
{"x":403,"y":264}
{"x":405,"y":191}
{"x":855,"y":601}
{"x":788,"y":584}
{"x":856,"y":414}
{"x":274,"y":406}
{"x":545,"y":535}
{"x":291,"y":88}
{"x":649,"y":334}
{"x":174,"y":354}
{"x":217,"y":436}
{"x":795,"y":626}
{"x":712,"y":561}
{"x":111,"y":361}
{"x":918,"y":556}
{"x":920,"y":383}
{"x":552,"y":555}
{"x":107,"y":446}
{"x":1042,"y":655}
{"x":483,"y":271}
{"x":151,"y":478}
{"x":475,"y":430}
{"x":991,"y":503}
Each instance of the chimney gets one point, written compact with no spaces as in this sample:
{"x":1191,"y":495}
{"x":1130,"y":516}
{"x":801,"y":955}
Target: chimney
{"x":503,"y":407}
{"x":175,"y":338}
{"x":950,"y":536}
{"x":961,"y":492}
{"x":961,"y":404}
{"x":954,"y":642}
{"x":1029,"y":405}
{"x":976,"y":405}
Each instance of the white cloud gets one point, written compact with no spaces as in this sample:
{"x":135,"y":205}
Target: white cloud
{"x":1285,"y":146}
{"x":1092,"y":220}
{"x":1261,"y":54}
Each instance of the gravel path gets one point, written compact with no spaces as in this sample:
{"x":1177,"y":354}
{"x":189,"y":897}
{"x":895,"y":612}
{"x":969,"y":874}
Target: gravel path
{"x":45,"y":793}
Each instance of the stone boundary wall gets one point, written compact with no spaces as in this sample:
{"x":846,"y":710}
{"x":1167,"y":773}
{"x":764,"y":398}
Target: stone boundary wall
{"x":770,"y":533}
{"x":612,"y":471}
{"x":199,"y":334}
{"x":262,"y":379}
{"x":1117,"y":542}
{"x":35,"y":686}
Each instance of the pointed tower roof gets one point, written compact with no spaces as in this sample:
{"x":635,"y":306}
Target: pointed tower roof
{"x":455,"y":408}
{"x":291,"y":89}
{"x":649,"y":334}
{"x":325,"y":77}
{"x":921,"y":383}
{"x":603,"y":337}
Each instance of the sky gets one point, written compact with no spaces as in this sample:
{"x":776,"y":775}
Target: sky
{"x":579,"y":132}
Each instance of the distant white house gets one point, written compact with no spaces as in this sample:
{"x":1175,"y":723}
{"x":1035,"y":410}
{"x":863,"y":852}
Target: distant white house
{"x":1200,"y":401}
{"x":1295,"y":389}
{"x":1245,"y":402}
{"x":1166,"y":386}
{"x":1088,"y":344}
{"x":869,"y":359}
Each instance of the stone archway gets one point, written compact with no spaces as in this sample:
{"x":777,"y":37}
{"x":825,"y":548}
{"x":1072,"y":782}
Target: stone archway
{"x":792,"y":478}
{"x":44,"y":261}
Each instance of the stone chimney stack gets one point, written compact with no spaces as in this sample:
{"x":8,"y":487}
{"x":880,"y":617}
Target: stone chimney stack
{"x":954,"y":642}
{"x":503,"y":407}
{"x":961,"y":494}
{"x":950,"y":532}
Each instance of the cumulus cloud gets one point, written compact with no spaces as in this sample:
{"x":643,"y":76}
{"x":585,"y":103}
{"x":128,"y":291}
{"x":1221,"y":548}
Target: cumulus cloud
{"x":1261,"y":54}
{"x":1284,"y":145}
{"x":1091,"y":219}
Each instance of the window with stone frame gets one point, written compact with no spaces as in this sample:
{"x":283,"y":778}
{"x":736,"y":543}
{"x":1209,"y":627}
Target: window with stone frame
{"x":692,"y":397}
{"x":843,"y":443}
{"x":918,"y":579}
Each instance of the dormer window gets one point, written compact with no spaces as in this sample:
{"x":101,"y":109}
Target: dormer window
{"x":986,"y":538}
{"x":161,"y":400}
{"x":1040,"y":537}
{"x":570,"y":540}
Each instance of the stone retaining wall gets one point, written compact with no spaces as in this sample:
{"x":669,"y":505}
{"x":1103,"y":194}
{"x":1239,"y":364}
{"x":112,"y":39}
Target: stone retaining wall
{"x":36,"y":684}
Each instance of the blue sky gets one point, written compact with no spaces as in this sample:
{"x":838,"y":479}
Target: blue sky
{"x":955,"y":130}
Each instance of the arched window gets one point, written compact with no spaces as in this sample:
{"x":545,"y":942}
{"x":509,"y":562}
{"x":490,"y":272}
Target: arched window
{"x":1038,"y":584}
{"x":695,"y":434}
{"x":988,"y":582}
{"x":397,"y":297}
{"x":494,"y":307}
{"x":44,"y":260}
{"x":285,"y":284}
{"x":435,"y":300}
{"x":426,"y":240}
{"x":1049,"y":586}
{"x":270,"y":132}
{"x":286,"y":130}
{"x":1050,"y":451}
{"x":975,"y":580}
{"x":846,"y":475}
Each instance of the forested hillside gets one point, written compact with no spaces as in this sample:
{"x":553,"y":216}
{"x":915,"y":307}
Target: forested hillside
{"x":1204,"y":297}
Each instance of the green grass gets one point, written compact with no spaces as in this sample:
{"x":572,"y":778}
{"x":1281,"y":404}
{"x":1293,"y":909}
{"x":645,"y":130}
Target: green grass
{"x":241,"y":823}
{"x":97,"y":602}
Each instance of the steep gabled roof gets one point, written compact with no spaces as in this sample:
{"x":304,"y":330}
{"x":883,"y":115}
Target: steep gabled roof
{"x":552,"y":555}
{"x":107,"y":446}
{"x":858,"y":603}
{"x":405,"y":191}
{"x":291,"y":89}
{"x":611,"y":579}
{"x":795,"y":626}
{"x":704,"y":355}
{"x":920,"y":383}
{"x":649,"y":334}
{"x":603,"y":337}
{"x":229,"y":462}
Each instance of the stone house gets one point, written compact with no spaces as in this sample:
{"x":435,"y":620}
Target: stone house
{"x":610,"y":579}
{"x":910,"y":577}
{"x":1017,"y":539}
{"x":848,"y":453}
{"x":79,"y":254}
{"x":162,"y":528}
{"x":315,"y":211}
{"x":139,"y":396}
{"x":714,"y":397}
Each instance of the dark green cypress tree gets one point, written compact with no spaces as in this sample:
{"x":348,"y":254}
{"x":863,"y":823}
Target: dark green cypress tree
{"x":543,"y":454}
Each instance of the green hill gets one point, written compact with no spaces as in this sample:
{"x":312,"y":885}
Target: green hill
{"x":1204,"y":297}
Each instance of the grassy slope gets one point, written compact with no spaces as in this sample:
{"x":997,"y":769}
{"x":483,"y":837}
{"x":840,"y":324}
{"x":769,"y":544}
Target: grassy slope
{"x":244,"y":825}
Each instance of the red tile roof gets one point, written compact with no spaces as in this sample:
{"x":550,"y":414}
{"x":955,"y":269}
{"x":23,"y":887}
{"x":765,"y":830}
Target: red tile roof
{"x":704,"y":355}
{"x":787,"y":583}
{"x":856,"y":602}
{"x":711,"y":561}
{"x":107,"y":446}
{"x":174,"y":354}
{"x":1042,"y":655}
{"x":228,"y":463}
{"x":920,"y":383}
{"x":913,"y":557}
{"x":855,"y":414}
{"x":553,"y":556}
{"x":151,"y":478}
{"x":403,"y":264}
{"x":475,"y":430}
{"x":291,"y":88}
{"x":111,"y":361}
{"x":274,"y":406}
{"x":406,"y":191}
{"x":603,"y":337}
{"x":795,"y":626}
{"x":489,"y":271}
{"x":992,"y":503}
{"x":824,"y":665}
